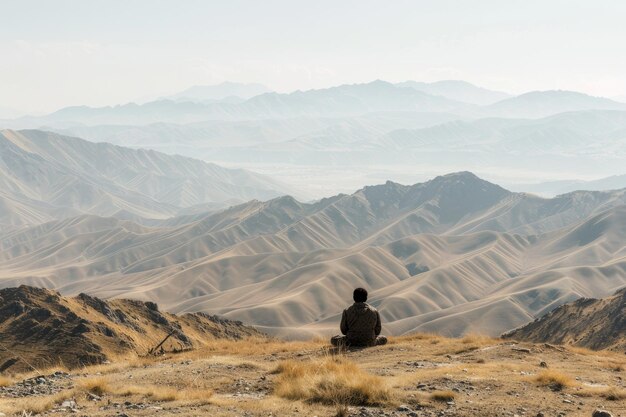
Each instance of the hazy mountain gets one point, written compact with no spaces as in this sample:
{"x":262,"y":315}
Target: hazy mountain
{"x":538,"y":104}
{"x":457,"y":90}
{"x":590,"y":143}
{"x":621,"y":99}
{"x":455,"y":254}
{"x":45,"y":176}
{"x":552,"y":188}
{"x":341,"y":101}
{"x":220,"y":92}
{"x":587,"y":322}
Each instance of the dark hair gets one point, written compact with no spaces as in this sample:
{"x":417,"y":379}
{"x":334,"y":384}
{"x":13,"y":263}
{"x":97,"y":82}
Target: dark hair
{"x":360,"y":295}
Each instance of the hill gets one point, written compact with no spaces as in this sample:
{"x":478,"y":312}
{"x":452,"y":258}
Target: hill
{"x":343,"y":100}
{"x":538,"y":104}
{"x":587,"y":322}
{"x":458,"y":90}
{"x":455,"y":255}
{"x":45,"y":176}
{"x":39,"y":328}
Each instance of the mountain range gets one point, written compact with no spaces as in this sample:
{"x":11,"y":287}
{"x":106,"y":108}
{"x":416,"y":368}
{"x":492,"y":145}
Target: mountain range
{"x":45,"y":176}
{"x":366,"y":133}
{"x":341,"y":101}
{"x":454,"y":255}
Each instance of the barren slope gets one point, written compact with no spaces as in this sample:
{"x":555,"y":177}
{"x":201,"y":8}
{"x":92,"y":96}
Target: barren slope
{"x":587,"y":322}
{"x":452,"y":255}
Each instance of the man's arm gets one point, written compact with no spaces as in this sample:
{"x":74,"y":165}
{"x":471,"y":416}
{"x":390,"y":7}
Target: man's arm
{"x":344,"y":323}
{"x":379,"y":325}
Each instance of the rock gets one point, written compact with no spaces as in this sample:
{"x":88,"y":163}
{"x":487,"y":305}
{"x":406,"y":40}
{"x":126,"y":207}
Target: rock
{"x":540,"y":414}
{"x":68,"y":404}
{"x":404,"y":408}
{"x":543,"y":364}
{"x":601,"y":413}
{"x":93,"y":397}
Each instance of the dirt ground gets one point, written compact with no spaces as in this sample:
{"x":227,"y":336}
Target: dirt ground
{"x":421,"y":375}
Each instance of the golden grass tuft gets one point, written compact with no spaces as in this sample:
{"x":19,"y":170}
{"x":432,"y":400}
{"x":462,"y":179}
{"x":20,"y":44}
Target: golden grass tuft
{"x":101,"y":386}
{"x":556,"y":380}
{"x":442,"y":396}
{"x":330,"y":381}
{"x":35,"y":405}
{"x":614,"y":394}
{"x":5,"y":381}
{"x":96,"y":385}
{"x":342,"y":411}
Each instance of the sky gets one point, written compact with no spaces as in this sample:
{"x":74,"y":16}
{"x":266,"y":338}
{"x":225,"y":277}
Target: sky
{"x":75,"y":52}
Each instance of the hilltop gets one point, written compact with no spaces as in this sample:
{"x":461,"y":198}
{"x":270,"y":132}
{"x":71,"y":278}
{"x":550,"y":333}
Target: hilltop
{"x":419,"y":375}
{"x":39,"y":328}
{"x":587,"y":322}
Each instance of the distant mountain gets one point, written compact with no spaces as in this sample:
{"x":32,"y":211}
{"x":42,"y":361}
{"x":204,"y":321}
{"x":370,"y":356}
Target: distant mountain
{"x":228,"y":91}
{"x":539,"y":104}
{"x":341,"y":101}
{"x":587,"y":322}
{"x":455,"y":254}
{"x":621,"y":99}
{"x":552,"y":188}
{"x":457,"y":90}
{"x":46,"y":176}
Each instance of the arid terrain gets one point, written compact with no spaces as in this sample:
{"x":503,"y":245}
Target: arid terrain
{"x":418,"y":375}
{"x":454,"y":255}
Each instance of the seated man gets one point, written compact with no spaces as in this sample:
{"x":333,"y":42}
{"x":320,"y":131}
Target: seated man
{"x":360,"y":324}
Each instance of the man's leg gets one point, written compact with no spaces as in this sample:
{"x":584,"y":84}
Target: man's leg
{"x":380,"y":340}
{"x":338,"y":341}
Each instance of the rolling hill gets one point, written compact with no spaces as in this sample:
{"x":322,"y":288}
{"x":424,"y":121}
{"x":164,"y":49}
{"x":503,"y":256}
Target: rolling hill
{"x":454,"y":255}
{"x":45,"y":176}
{"x":458,"y":90}
{"x":537,"y":104}
{"x":587,"y":322}
{"x":340,"y":101}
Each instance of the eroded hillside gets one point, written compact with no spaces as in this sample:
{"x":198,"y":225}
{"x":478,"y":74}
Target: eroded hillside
{"x":39,"y":328}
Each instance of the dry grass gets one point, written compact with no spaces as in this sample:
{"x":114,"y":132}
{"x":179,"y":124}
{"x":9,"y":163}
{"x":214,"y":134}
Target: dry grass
{"x":614,"y":394}
{"x":613,"y":365}
{"x":556,"y":380}
{"x":330,"y":381}
{"x":96,"y":385}
{"x":252,"y":346}
{"x":5,"y":381}
{"x":102,"y":385}
{"x":342,"y":411}
{"x":608,"y":393}
{"x":442,"y":396}
{"x":35,"y":405}
{"x":588,"y":352}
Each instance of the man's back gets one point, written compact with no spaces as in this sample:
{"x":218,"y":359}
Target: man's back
{"x":361,"y":324}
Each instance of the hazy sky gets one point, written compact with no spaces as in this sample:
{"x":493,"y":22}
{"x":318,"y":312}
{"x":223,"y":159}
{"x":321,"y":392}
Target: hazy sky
{"x":68,"y":52}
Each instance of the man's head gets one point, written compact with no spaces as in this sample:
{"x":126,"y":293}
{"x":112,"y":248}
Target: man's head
{"x":360,"y":295}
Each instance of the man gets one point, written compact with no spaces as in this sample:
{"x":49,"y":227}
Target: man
{"x":360,"y":324}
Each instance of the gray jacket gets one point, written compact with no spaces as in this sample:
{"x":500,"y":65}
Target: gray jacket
{"x":360,"y":323}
